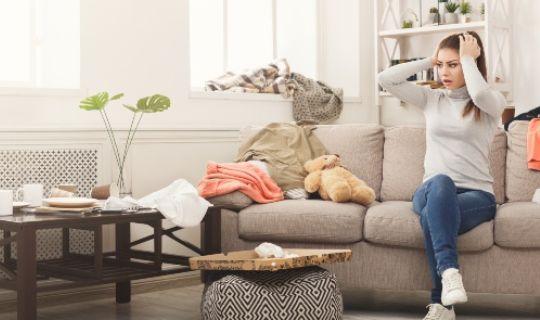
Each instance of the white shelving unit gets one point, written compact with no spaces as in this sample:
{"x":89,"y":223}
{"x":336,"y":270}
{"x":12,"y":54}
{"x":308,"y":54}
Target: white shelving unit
{"x":495,"y":31}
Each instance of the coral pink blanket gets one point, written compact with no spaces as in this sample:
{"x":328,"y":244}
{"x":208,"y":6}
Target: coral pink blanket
{"x":223,"y":178}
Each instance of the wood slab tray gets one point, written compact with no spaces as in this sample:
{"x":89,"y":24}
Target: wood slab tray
{"x":249,"y":260}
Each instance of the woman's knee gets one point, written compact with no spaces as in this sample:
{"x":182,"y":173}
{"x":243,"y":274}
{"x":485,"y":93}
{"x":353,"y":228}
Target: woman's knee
{"x":442,"y":183}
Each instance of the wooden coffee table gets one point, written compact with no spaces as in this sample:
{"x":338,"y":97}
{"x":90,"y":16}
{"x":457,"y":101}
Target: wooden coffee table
{"x":100,"y":268}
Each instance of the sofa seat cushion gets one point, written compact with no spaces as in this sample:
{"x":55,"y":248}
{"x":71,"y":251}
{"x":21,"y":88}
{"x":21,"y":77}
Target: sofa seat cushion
{"x":517,"y":225}
{"x":307,"y":221}
{"x":395,"y":223}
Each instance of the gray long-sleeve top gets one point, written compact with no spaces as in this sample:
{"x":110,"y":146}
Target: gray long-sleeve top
{"x":455,"y":146}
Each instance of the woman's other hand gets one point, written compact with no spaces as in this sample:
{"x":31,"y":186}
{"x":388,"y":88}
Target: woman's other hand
{"x":468,"y":46}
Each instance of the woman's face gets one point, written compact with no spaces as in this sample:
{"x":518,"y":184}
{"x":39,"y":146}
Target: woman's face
{"x":449,"y":69}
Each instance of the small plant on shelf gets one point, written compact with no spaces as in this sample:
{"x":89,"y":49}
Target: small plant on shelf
{"x":434,"y":15}
{"x":451,"y":7}
{"x":407,"y":24}
{"x":451,"y":16}
{"x":482,"y":10}
{"x":408,"y":17}
{"x":465,"y":10}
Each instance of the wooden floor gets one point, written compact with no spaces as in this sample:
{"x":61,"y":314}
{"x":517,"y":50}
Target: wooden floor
{"x":183,"y":303}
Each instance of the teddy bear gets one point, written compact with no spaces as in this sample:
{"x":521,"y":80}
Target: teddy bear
{"x":334,"y":182}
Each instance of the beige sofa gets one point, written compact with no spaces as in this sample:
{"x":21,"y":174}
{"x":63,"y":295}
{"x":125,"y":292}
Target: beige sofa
{"x":500,"y":256}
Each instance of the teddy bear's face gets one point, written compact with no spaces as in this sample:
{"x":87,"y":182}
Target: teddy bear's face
{"x":327,"y":161}
{"x":331,"y":161}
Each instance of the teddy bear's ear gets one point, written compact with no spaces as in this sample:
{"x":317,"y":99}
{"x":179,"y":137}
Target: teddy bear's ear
{"x":314,"y":165}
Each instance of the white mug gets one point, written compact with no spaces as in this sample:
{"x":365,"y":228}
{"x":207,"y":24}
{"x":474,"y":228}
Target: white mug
{"x":6,"y":202}
{"x":32,"y":193}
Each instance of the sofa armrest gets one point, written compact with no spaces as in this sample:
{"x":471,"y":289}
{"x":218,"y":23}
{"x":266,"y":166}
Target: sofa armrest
{"x":235,"y":201}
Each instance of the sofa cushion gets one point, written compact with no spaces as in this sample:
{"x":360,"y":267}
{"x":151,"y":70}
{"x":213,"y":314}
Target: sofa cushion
{"x":360,"y":148}
{"x":395,"y":223}
{"x":403,"y":166}
{"x":403,"y":147}
{"x":517,"y":225}
{"x":521,"y":182}
{"x":308,"y":221}
{"x":359,"y":145}
{"x":235,"y":200}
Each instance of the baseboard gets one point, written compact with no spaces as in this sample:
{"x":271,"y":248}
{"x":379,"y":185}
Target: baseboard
{"x":8,"y":299}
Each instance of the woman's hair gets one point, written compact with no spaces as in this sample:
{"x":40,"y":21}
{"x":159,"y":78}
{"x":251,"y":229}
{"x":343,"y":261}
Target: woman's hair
{"x":452,"y":42}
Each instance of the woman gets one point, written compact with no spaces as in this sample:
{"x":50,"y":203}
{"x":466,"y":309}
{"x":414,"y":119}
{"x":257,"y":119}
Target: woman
{"x":456,"y":194}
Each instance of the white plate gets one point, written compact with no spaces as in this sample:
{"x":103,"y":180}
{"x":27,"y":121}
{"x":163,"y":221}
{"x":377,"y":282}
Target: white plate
{"x":20,"y":204}
{"x":70,"y":202}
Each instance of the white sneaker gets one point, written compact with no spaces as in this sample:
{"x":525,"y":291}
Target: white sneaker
{"x":439,"y":312}
{"x":453,"y":291}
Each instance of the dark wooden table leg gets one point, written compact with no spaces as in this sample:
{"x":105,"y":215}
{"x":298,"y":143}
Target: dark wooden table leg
{"x":26,"y":274}
{"x":98,"y":251}
{"x":7,"y":247}
{"x":158,"y":245}
{"x":65,"y":243}
{"x":210,"y":236}
{"x":123,"y":238}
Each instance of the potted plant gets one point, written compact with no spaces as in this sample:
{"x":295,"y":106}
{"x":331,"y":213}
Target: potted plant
{"x":482,"y":11}
{"x":407,"y":18}
{"x":434,"y":15}
{"x":151,"y":104}
{"x":451,"y":16}
{"x":465,"y":10}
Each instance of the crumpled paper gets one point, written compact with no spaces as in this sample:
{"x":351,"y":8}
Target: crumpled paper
{"x":536,"y":196}
{"x":269,"y":250}
{"x":179,"y":202}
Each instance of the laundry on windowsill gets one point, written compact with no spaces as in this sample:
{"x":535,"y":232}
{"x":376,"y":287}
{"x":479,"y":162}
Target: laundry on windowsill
{"x":246,"y":177}
{"x":313,"y":101}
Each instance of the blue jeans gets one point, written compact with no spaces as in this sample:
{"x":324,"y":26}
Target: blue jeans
{"x":445,"y":212}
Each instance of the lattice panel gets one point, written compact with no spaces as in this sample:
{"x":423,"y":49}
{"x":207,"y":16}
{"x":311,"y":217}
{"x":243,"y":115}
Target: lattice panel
{"x":52,"y":167}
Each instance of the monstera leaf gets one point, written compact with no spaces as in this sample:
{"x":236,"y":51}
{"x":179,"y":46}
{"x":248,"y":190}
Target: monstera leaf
{"x":117,"y":96}
{"x":98,"y":101}
{"x":95,"y":102}
{"x":152,"y":104}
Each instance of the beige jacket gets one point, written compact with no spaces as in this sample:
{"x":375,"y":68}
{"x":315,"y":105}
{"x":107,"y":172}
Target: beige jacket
{"x":285,"y":148}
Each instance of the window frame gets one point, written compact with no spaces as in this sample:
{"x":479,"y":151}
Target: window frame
{"x":200,"y":93}
{"x":31,"y":88}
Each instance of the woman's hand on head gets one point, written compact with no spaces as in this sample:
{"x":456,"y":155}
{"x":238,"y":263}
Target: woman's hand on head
{"x":468,"y":46}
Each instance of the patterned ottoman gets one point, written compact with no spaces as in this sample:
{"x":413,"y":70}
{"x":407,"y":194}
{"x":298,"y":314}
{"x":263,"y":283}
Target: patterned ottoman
{"x":304,"y":293}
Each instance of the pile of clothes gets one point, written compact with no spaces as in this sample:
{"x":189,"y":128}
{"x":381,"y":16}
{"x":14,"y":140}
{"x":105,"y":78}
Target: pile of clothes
{"x":313,"y":101}
{"x":268,"y":167}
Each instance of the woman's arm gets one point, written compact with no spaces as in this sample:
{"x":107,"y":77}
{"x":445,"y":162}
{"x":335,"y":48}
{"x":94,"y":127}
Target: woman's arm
{"x":488,"y":100}
{"x":484,"y":97}
{"x":394,"y":79}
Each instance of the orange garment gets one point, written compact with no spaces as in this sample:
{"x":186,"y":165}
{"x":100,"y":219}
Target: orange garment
{"x":533,"y":144}
{"x":223,"y":178}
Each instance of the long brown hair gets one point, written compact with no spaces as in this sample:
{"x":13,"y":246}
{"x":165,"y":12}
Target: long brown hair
{"x":452,"y":42}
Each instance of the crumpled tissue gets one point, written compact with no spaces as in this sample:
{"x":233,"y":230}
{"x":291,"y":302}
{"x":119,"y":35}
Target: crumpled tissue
{"x":269,"y":250}
{"x":179,"y":202}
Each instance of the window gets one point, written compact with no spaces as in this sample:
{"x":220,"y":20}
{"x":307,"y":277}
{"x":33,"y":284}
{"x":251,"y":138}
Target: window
{"x":232,"y":35}
{"x":40,"y":44}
